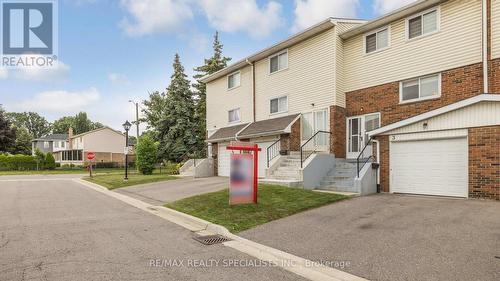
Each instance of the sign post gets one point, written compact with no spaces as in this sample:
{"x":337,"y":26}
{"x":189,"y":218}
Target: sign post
{"x":90,"y":157}
{"x":244,"y":173}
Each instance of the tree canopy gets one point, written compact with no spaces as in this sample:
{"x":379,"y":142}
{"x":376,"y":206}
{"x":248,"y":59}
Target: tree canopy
{"x":36,"y":125}
{"x":80,"y":124}
{"x":7,"y":133}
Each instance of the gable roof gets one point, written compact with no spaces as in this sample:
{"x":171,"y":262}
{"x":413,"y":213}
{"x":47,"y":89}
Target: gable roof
{"x":290,"y":41}
{"x":96,"y":130}
{"x":53,"y":137}
{"x":269,"y":126}
{"x":400,"y":13}
{"x":226,"y":133}
{"x":436,"y":112}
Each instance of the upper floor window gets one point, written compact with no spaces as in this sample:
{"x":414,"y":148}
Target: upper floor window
{"x":279,"y":105}
{"x":56,"y":144}
{"x":377,"y":40}
{"x":45,"y":144}
{"x":424,"y":23}
{"x":234,"y":115}
{"x":63,"y":144}
{"x":278,"y":62}
{"x":421,"y":88}
{"x":233,"y":80}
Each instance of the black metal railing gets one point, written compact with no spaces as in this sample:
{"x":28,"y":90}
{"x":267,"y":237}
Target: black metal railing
{"x":273,"y":151}
{"x":303,"y":156}
{"x":365,"y":160}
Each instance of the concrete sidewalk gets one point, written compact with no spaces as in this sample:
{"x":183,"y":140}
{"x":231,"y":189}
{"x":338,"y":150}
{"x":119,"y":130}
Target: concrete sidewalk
{"x":395,"y":237}
{"x":168,"y":191}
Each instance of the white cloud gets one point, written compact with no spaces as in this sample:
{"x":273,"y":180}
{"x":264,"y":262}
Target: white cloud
{"x":151,"y":16}
{"x":56,"y":73}
{"x":233,"y":16}
{"x":118,"y":78}
{"x":60,"y":101}
{"x":4,"y":73}
{"x":310,"y":12}
{"x":384,"y":6}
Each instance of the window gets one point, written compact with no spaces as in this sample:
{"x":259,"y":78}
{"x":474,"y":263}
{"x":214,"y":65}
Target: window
{"x":421,"y":88}
{"x":56,"y":144}
{"x":279,"y":105}
{"x":278,"y":62}
{"x":422,"y":24}
{"x":72,"y":155}
{"x":45,"y":144}
{"x":377,"y":41}
{"x":63,"y":144}
{"x":234,"y":115}
{"x":233,"y":80}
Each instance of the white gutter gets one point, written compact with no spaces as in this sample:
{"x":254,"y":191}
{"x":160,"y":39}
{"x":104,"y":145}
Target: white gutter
{"x":485,"y":47}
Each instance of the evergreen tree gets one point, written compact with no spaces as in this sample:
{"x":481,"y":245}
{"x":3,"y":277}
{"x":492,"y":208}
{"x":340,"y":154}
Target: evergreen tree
{"x":171,"y":116}
{"x":7,"y":133}
{"x":210,"y":66}
{"x":23,"y":142}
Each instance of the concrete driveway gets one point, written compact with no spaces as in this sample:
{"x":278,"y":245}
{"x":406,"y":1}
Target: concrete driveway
{"x":395,"y":237}
{"x":169,"y":191}
{"x":57,"y":229}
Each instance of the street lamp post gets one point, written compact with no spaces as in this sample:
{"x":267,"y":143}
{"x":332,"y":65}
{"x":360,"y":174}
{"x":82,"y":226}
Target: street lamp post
{"x":126,"y":126}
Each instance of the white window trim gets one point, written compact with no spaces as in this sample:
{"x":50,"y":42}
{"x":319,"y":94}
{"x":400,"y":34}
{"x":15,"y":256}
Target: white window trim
{"x":236,"y":121}
{"x":388,"y":27}
{"x":401,"y":101}
{"x":227,"y":80}
{"x":279,"y":112}
{"x":438,"y":23}
{"x":275,"y":55}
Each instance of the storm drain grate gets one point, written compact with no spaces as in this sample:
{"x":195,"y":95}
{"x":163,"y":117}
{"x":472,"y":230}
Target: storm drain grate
{"x":211,"y":239}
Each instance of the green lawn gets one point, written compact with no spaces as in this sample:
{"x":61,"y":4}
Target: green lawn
{"x":275,"y":202}
{"x":63,"y":171}
{"x":113,"y":181}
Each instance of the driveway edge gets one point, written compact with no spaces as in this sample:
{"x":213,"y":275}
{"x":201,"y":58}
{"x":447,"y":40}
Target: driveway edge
{"x":300,"y":266}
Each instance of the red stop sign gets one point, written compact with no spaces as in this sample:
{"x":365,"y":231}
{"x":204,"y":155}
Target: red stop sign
{"x":90,"y":155}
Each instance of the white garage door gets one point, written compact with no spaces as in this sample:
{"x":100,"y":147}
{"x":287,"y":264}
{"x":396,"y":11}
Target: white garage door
{"x":432,"y":167}
{"x":223,"y":160}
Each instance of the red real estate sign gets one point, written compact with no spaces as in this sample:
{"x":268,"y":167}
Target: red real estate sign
{"x":90,"y":155}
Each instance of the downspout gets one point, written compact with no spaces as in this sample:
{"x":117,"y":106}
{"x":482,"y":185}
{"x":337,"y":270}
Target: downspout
{"x":378,"y":162}
{"x":485,"y":47}
{"x":253,"y":88}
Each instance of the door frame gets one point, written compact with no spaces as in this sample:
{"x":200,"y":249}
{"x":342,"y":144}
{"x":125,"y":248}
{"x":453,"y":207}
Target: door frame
{"x":362,"y":127}
{"x":327,"y":125}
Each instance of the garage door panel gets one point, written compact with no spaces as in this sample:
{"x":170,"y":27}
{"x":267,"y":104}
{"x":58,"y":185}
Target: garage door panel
{"x":433,"y":167}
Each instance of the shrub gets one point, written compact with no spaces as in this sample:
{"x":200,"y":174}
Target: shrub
{"x":146,"y":153}
{"x":40,"y":158}
{"x":50,"y":161}
{"x":17,"y":162}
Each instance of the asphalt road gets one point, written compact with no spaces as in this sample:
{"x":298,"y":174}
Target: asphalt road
{"x":53,"y":229}
{"x":395,"y":237}
{"x":160,"y":193}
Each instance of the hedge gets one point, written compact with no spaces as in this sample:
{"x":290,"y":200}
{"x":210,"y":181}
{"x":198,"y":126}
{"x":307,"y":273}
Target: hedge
{"x":17,"y":162}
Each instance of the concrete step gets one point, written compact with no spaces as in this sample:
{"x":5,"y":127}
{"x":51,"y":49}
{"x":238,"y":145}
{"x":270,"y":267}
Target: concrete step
{"x":338,"y":188}
{"x":282,"y":182}
{"x":337,"y":183}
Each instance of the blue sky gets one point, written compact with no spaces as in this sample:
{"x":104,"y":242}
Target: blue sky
{"x":115,"y":50}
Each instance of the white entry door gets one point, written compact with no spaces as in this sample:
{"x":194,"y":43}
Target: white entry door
{"x":431,"y":167}
{"x":313,"y":122}
{"x":357,"y":134}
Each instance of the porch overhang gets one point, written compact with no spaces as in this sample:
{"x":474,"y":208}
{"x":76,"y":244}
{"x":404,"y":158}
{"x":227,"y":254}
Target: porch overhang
{"x":445,"y":109}
{"x":226,"y":133}
{"x":269,"y":127}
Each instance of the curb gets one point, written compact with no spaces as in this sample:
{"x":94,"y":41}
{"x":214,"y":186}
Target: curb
{"x":300,"y":266}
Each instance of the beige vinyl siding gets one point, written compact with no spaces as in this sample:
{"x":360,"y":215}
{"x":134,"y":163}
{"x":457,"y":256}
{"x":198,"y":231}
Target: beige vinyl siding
{"x":340,"y":82}
{"x":495,"y":29}
{"x":309,"y":78}
{"x":220,"y":100}
{"x":104,"y":140}
{"x":458,"y":43}
{"x":477,"y":115}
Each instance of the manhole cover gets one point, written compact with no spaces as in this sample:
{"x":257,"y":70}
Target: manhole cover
{"x":211,"y":239}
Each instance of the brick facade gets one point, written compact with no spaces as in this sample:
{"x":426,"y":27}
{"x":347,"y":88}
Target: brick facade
{"x":291,"y":142}
{"x":484,"y":162}
{"x":494,"y":69}
{"x":457,"y":84}
{"x":338,"y":129}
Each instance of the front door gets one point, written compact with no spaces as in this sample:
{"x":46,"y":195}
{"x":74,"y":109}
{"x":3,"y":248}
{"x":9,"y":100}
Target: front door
{"x":312,"y":122}
{"x":357,"y":134}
